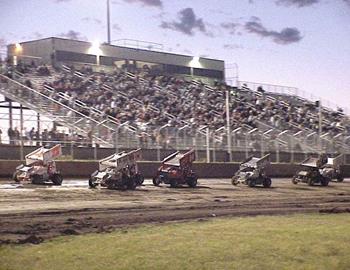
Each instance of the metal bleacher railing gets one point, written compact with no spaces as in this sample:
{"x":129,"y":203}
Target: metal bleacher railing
{"x":108,"y":132}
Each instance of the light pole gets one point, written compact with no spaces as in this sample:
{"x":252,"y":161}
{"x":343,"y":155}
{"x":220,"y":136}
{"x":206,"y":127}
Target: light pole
{"x":108,"y":24}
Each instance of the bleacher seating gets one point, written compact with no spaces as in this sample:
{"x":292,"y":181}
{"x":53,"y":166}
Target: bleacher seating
{"x":147,"y":103}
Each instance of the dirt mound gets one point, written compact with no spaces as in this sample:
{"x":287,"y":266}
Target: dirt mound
{"x":32,"y":239}
{"x":335,"y":210}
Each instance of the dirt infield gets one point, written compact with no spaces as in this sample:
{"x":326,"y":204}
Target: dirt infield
{"x":32,"y":214}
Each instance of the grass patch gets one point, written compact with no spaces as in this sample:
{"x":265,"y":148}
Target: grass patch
{"x":278,"y":242}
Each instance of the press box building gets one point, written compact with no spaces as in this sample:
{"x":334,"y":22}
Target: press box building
{"x":55,"y":50}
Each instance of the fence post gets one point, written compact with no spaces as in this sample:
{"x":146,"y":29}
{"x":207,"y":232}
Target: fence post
{"x":246,"y":146}
{"x":116,"y":139}
{"x":21,"y":133}
{"x":72,"y":150}
{"x":208,"y":145}
{"x":195,"y":144}
{"x":95,"y":151}
{"x":292,"y":151}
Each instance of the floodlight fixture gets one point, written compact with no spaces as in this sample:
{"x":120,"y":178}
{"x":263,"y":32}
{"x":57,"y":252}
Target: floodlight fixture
{"x":195,"y":62}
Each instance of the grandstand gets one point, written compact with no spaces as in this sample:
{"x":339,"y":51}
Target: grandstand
{"x":159,"y":100}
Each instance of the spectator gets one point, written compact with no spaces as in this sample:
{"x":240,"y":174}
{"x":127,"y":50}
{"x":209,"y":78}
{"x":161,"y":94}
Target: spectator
{"x":17,"y":136}
{"x":11,"y":135}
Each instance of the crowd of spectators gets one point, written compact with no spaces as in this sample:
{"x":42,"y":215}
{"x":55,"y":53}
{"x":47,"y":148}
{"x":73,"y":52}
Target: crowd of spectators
{"x":292,"y":115}
{"x":44,"y":138}
{"x":149,"y":101}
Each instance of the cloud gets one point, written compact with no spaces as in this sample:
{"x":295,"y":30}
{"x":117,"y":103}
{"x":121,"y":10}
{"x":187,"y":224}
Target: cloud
{"x":37,"y":35}
{"x":150,"y":3}
{"x":188,"y":23}
{"x":221,"y":12}
{"x":61,"y":1}
{"x":71,"y":34}
{"x":230,"y":27}
{"x":232,"y":46}
{"x":298,"y":3}
{"x":347,"y":2}
{"x":3,"y":43}
{"x":93,"y":20}
{"x":286,"y":36}
{"x":116,"y":27}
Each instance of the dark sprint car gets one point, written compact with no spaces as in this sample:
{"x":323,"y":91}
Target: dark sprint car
{"x":311,"y":172}
{"x":252,"y":172}
{"x":176,"y":169}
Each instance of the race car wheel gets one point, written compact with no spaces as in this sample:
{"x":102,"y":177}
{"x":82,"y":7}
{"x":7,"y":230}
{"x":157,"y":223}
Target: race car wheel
{"x":267,"y":182}
{"x":325,"y":181}
{"x":156,"y":181}
{"x":294,"y":180}
{"x":131,"y":184}
{"x":15,"y":177}
{"x":92,"y":183}
{"x":139,"y":179}
{"x":192,"y":181}
{"x":310,"y":181}
{"x":35,"y":179}
{"x":234,"y":180}
{"x":251,"y":183}
{"x":173,"y":183}
{"x":340,"y":178}
{"x":57,"y":179}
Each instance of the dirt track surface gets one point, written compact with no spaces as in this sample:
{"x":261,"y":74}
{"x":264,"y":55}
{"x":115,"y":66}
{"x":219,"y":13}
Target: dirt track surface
{"x":30,"y":213}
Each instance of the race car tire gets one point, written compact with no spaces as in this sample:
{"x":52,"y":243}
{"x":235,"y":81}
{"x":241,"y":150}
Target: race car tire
{"x":340,"y":178}
{"x":251,"y":183}
{"x":267,"y":182}
{"x":234,"y":180}
{"x":192,"y":181}
{"x":139,"y":179}
{"x":295,"y":180}
{"x":15,"y":176}
{"x":131,"y":184}
{"x":92,"y":183}
{"x":325,"y":181}
{"x":173,"y":183}
{"x":35,"y":179}
{"x":156,"y":181}
{"x":310,"y":181}
{"x":57,"y":179}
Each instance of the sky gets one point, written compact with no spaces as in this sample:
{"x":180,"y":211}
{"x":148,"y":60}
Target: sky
{"x":299,"y":43}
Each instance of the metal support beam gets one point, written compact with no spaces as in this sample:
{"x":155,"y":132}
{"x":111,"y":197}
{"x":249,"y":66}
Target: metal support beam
{"x":229,"y":141}
{"x":208,"y":145}
{"x":10,"y":115}
{"x":21,"y":134}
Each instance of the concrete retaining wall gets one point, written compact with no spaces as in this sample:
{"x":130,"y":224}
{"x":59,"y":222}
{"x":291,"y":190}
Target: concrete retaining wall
{"x":12,"y":152}
{"x":148,"y":169}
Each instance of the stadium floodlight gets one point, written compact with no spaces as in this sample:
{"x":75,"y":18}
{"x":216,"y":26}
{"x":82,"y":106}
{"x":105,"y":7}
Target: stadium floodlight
{"x":195,"y":62}
{"x":96,"y":50}
{"x":18,"y":48}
